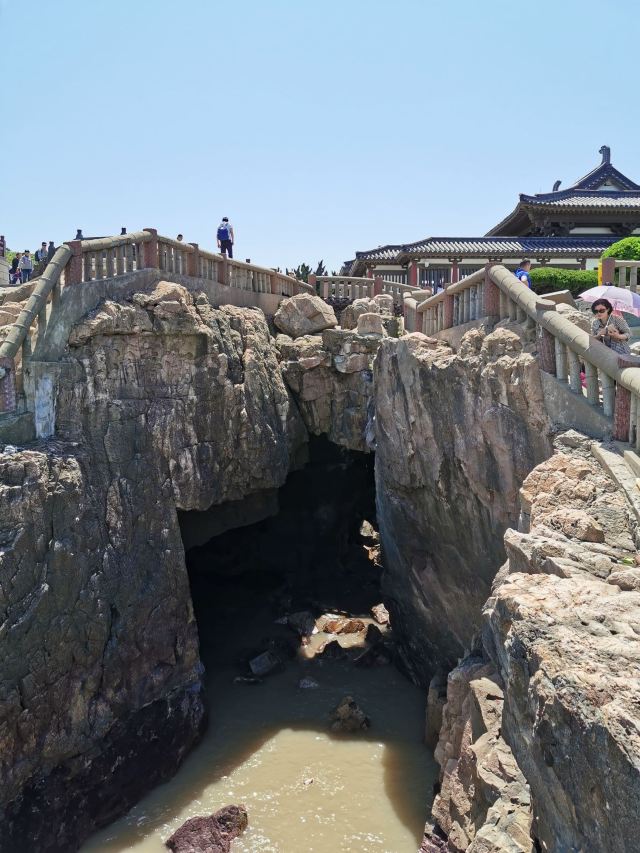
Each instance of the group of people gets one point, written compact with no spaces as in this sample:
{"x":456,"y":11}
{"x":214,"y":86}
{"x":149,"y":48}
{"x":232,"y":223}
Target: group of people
{"x":23,"y":265}
{"x":612,"y":330}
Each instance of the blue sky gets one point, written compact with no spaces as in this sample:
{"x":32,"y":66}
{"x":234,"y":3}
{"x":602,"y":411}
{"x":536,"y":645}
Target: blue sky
{"x":318,"y":128}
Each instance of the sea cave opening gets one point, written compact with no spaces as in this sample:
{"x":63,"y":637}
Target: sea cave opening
{"x":283,"y":606}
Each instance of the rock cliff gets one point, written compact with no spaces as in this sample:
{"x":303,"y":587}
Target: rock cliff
{"x":560,"y":656}
{"x":164,"y":403}
{"x":456,"y":436}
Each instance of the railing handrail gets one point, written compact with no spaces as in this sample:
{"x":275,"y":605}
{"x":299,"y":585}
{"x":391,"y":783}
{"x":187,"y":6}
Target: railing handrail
{"x":36,"y":302}
{"x":469,"y":281}
{"x":344,"y":278}
{"x":95,"y":244}
{"x":620,"y":262}
{"x":543,"y":311}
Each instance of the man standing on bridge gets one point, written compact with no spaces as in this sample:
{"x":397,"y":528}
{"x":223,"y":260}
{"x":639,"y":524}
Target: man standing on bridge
{"x":225,"y":237}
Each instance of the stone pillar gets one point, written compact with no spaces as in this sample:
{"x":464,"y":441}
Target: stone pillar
{"x":193,"y":261}
{"x":448,"y":310}
{"x":225,"y":269}
{"x":73,"y":270}
{"x":377,"y":285}
{"x":455,"y":272}
{"x":412,"y":274}
{"x":151,"y":250}
{"x":369,"y":273}
{"x":608,"y":270}
{"x":546,"y":350}
{"x":7,"y":385}
{"x":491,"y":295}
{"x":622,"y":410}
{"x":313,"y":281}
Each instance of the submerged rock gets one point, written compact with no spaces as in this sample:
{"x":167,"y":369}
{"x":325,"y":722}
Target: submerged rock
{"x":212,"y":834}
{"x":347,"y":716}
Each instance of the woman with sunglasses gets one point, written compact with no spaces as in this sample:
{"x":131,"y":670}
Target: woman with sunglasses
{"x":612,"y":331}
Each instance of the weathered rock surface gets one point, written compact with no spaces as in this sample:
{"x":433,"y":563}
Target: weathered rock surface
{"x":348,"y":717}
{"x":212,"y":834}
{"x":304,"y":314}
{"x":565,"y":641}
{"x":164,"y":404}
{"x":456,"y":436}
{"x":332,"y":382}
{"x":484,"y":802}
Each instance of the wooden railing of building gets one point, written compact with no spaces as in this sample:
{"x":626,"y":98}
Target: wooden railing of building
{"x":80,"y":261}
{"x":612,"y":381}
{"x":351,"y":287}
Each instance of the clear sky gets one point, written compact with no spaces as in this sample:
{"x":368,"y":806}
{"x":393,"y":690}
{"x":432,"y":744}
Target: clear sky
{"x":319,"y":128}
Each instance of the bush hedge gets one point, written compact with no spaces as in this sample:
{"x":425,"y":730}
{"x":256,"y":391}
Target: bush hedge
{"x":549,"y":279}
{"x":627,"y":249}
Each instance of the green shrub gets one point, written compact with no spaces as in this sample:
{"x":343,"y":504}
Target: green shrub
{"x":627,"y":249}
{"x":550,"y":279}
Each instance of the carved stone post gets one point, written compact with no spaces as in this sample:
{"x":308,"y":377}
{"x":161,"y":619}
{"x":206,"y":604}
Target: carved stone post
{"x":622,"y":409}
{"x":608,"y":270}
{"x":491,"y":294}
{"x":73,"y":270}
{"x":546,"y":350}
{"x":412,"y":274}
{"x":377,"y":285}
{"x":448,"y":310}
{"x":7,"y":385}
{"x":151,"y":250}
{"x":313,"y":281}
{"x":193,"y":261}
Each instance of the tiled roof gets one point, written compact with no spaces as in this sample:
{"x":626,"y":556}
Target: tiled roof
{"x":585,"y":198}
{"x":466,"y":246}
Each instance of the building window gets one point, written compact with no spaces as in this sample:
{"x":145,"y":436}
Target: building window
{"x":432,"y":276}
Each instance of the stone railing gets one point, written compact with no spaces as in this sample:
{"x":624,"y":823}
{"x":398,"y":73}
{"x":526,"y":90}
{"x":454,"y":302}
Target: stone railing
{"x":460,"y":303}
{"x":621,"y":273}
{"x":611,"y":381}
{"x":105,"y":259}
{"x":351,"y":287}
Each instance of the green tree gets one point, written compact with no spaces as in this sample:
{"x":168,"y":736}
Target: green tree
{"x":627,"y":249}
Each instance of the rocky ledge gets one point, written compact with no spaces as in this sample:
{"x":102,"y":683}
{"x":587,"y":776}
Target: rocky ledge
{"x":551,"y":693}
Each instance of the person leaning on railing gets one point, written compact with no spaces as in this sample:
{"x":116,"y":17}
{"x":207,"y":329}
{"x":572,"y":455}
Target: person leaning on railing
{"x":611,"y":331}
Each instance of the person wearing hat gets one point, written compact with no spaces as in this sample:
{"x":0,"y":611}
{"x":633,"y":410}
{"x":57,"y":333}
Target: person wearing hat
{"x":225,"y":237}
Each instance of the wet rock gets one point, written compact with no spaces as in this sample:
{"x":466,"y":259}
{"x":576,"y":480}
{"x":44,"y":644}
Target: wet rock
{"x":303,"y":622}
{"x":380,"y":614}
{"x":308,"y":683}
{"x":378,"y":655}
{"x":436,"y":700}
{"x":265,"y":663}
{"x":347,"y":717}
{"x":340,"y":625}
{"x":331,"y":651}
{"x":212,"y":834}
{"x":304,"y":314}
{"x":373,"y":635}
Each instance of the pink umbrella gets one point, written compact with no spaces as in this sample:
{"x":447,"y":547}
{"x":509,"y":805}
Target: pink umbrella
{"x":621,"y":298}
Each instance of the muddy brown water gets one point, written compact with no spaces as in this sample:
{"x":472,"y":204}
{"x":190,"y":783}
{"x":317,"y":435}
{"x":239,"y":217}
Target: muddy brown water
{"x":269,"y":746}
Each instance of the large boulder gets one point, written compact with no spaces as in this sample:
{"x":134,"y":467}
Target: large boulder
{"x":212,"y":834}
{"x":304,"y":314}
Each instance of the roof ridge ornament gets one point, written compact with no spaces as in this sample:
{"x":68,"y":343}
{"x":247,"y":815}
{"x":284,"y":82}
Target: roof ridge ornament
{"x":606,"y":155}
{"x":556,"y":186}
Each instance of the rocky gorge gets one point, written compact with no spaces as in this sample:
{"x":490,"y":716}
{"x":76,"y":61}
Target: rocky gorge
{"x":509,"y":563}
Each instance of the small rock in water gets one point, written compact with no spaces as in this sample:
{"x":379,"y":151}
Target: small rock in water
{"x":380,"y":614}
{"x":212,"y":834}
{"x":307,"y":683}
{"x":347,"y":716}
{"x":307,"y":782}
{"x":331,"y":651}
{"x":367,"y":531}
{"x":340,"y":625}
{"x":264,"y":664}
{"x":302,"y":622}
{"x":374,"y":635}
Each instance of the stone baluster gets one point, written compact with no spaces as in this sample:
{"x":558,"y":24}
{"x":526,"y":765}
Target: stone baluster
{"x":109,"y":263}
{"x":513,"y":311}
{"x":128,"y":249}
{"x":561,"y":361}
{"x":87,"y":271}
{"x":608,"y":393}
{"x":575,"y":382}
{"x":622,"y":419}
{"x":73,"y":272}
{"x":591,"y":380}
{"x":99,"y":265}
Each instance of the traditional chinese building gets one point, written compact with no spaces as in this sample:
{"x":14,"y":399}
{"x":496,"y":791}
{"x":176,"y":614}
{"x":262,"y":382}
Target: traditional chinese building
{"x":566,"y":227}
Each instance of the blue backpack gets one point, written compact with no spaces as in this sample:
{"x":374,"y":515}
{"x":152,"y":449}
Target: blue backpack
{"x":223,"y":232}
